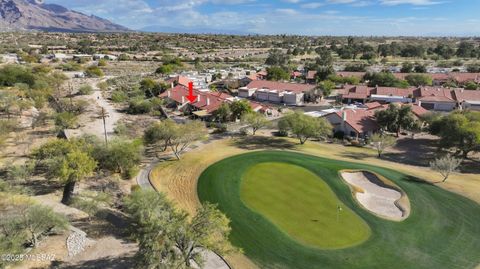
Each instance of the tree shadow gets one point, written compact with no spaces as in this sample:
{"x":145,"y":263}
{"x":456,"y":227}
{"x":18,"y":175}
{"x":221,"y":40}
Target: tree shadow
{"x":418,"y":151}
{"x":262,"y":142}
{"x":417,"y":180}
{"x":106,"y":222}
{"x":42,"y":187}
{"x":357,"y":155}
{"x":125,"y":262}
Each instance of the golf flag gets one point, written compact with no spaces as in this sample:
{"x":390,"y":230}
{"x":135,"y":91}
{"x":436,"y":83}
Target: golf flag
{"x":339,"y":208}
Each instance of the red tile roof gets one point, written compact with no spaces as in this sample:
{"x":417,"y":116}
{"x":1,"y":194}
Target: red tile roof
{"x":281,"y":86}
{"x":462,"y":95}
{"x":215,"y":99}
{"x":436,"y":94}
{"x":373,"y":105}
{"x":391,"y":91}
{"x":360,"y":120}
{"x":357,"y":92}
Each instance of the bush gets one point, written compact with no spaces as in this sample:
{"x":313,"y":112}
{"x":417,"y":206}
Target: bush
{"x":85,"y":90}
{"x":139,"y":106}
{"x":94,"y":72}
{"x":66,"y":120}
{"x":119,"y":96}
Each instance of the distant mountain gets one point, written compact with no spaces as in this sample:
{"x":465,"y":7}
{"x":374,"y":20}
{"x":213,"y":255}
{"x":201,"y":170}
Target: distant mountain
{"x":166,"y":29}
{"x":37,"y":15}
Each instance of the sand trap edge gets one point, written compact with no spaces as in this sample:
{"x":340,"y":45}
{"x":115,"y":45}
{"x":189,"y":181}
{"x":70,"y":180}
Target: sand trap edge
{"x":403,"y":204}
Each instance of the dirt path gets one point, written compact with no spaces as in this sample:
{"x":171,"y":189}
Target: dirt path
{"x":92,"y":122}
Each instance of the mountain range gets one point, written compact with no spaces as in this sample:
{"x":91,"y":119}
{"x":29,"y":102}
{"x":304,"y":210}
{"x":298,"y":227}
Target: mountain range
{"x":36,"y":15}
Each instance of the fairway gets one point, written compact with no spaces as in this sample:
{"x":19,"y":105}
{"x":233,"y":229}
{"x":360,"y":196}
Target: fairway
{"x":276,"y":200}
{"x":302,"y":205}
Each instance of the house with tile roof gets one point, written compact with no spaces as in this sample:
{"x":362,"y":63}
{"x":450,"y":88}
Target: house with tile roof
{"x":206,"y":103}
{"x":467,"y":99}
{"x":436,"y":98}
{"x":278,"y":92}
{"x":361,"y":123}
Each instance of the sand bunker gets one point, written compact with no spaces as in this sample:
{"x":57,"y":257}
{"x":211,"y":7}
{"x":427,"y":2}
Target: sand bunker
{"x":377,"y":196}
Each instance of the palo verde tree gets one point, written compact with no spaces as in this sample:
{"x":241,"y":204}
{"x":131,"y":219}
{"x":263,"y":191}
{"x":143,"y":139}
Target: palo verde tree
{"x":168,"y":238}
{"x":67,"y":161}
{"x":255,"y":120}
{"x":305,"y":127}
{"x":445,"y":166}
{"x":381,"y":142}
{"x":177,"y":137}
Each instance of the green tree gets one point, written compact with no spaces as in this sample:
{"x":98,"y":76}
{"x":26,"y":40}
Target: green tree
{"x":68,"y":161}
{"x":37,"y":219}
{"x":407,"y":67}
{"x":382,"y":142}
{"x":276,"y":57}
{"x":305,"y":127}
{"x":326,"y":86}
{"x":160,"y":134}
{"x":277,"y":73}
{"x":419,"y":80}
{"x":168,"y":238}
{"x":121,"y":156}
{"x":66,"y":120}
{"x":459,"y":130}
{"x":239,"y":108}
{"x":384,"y":79}
{"x":255,"y":120}
{"x":396,"y":118}
{"x":223,"y":113}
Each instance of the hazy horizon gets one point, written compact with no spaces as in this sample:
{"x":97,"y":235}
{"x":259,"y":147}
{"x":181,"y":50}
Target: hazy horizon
{"x":295,"y":17}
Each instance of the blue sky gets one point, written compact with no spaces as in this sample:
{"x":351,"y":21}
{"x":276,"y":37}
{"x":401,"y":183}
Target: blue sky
{"x":306,"y":17}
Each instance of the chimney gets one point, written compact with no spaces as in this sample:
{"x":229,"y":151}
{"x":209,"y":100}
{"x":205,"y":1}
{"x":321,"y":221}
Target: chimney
{"x":198,"y":98}
{"x":344,"y":115}
{"x":168,"y":94}
{"x":183,"y":100}
{"x":208,"y":101}
{"x":172,"y":85}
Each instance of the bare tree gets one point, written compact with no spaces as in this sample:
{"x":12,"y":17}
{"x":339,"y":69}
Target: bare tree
{"x":445,"y":166}
{"x":382,"y":142}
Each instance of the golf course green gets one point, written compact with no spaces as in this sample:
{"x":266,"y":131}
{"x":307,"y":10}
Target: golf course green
{"x":283,"y":209}
{"x":317,"y":218}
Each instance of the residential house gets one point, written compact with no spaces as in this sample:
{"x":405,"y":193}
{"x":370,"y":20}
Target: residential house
{"x":275,"y":92}
{"x":206,"y":103}
{"x":356,"y":123}
{"x":467,"y":99}
{"x":392,"y":95}
{"x":438,"y":99}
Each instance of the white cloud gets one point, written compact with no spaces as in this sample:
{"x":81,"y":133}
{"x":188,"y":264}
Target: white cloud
{"x":411,"y":2}
{"x":312,"y":5}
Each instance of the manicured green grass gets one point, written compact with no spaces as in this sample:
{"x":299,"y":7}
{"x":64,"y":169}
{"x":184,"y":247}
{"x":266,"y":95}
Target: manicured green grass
{"x":442,"y":231}
{"x":302,"y":205}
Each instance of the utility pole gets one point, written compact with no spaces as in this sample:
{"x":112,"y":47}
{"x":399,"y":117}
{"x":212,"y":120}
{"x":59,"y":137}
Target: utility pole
{"x":104,"y":114}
